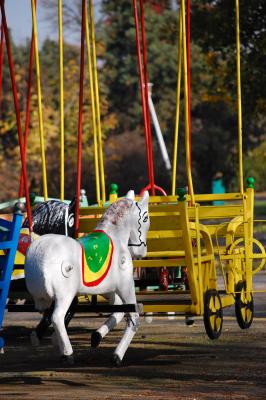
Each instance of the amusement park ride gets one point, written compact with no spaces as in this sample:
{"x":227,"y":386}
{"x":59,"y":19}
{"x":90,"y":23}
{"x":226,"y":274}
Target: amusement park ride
{"x":187,"y":230}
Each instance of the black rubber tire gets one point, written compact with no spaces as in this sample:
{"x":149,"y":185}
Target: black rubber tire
{"x":244,"y":306}
{"x":213,"y":314}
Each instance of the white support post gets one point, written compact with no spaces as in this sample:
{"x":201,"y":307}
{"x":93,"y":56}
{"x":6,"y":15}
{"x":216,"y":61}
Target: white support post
{"x":158,"y":132}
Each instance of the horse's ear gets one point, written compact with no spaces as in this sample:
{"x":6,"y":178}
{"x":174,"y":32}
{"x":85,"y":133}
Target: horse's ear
{"x":145,"y":197}
{"x":130,"y":195}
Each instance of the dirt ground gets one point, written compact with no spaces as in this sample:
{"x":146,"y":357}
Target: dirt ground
{"x":167,"y":360}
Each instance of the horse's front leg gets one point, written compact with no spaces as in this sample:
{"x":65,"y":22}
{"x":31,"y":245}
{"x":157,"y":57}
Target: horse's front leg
{"x":109,"y":324}
{"x":58,"y":320}
{"x":127,"y":293}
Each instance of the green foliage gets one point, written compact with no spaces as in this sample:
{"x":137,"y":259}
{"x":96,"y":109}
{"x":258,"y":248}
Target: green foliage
{"x":121,"y":67}
{"x":213,"y":98}
{"x":213,"y":83}
{"x":9,"y":150}
{"x":213,"y":28}
{"x":255,"y":166}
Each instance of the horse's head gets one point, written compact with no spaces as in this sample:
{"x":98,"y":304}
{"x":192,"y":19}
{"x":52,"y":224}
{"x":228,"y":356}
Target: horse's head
{"x":140,"y":224}
{"x":128,"y":217}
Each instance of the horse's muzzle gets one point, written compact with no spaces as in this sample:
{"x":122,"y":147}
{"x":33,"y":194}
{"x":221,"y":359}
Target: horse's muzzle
{"x":136,"y":257}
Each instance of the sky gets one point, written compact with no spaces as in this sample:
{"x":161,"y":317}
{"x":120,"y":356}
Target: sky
{"x":18,"y":14}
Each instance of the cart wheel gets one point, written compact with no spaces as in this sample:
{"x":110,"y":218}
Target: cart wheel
{"x":213,"y":314}
{"x":244,"y":306}
{"x":257,"y":249}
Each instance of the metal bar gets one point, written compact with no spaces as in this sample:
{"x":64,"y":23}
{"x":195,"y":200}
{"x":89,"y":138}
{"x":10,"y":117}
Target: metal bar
{"x":239,"y":102}
{"x":61,"y":101}
{"x":159,"y":134}
{"x":81,"y":90}
{"x":187,"y":126}
{"x":177,"y":115}
{"x":39,"y":96}
{"x":98,"y":113}
{"x":93,"y":112}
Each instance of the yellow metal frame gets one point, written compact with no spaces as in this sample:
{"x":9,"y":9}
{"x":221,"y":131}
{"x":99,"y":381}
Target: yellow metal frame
{"x":187,"y":138}
{"x":39,"y":95}
{"x":178,"y":90}
{"x":189,"y":235}
{"x":239,"y":103}
{"x":184,"y":231}
{"x":61,"y":102}
{"x":93,"y":110}
{"x":192,"y":233}
{"x":97,"y":101}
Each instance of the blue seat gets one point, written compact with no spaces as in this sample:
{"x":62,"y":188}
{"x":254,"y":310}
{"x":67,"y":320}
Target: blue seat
{"x":9,"y":237}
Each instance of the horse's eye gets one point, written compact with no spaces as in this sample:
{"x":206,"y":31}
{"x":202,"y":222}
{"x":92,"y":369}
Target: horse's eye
{"x":145,"y":219}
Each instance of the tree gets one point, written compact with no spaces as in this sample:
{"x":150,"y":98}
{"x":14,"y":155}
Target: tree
{"x":255,"y":166}
{"x":213,"y":28}
{"x":213,"y":95}
{"x":9,"y":156}
{"x":214,"y":120}
{"x":121,"y":76}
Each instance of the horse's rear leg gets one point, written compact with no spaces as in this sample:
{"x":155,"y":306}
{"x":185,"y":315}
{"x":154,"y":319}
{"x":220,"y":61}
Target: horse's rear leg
{"x":38,"y":333}
{"x":109,"y":324}
{"x":129,"y":297}
{"x":58,"y":320}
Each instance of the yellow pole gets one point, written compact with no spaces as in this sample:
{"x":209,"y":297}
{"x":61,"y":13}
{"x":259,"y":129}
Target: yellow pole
{"x":62,"y":134}
{"x":94,"y":123}
{"x":188,"y":150}
{"x":239,"y":104}
{"x":177,"y":105}
{"x":95,"y":78}
{"x":39,"y":93}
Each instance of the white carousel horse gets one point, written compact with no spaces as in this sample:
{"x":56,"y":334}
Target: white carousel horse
{"x":57,"y":268}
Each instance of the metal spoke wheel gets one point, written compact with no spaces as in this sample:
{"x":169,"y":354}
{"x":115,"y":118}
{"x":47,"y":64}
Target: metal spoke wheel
{"x":244,"y":306}
{"x":213,"y":314}
{"x":257,"y":255}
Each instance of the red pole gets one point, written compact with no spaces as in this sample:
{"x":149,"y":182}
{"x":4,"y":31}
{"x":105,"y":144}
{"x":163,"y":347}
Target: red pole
{"x":188,"y":72}
{"x":27,"y":120}
{"x":141,"y":81}
{"x":81,"y":79}
{"x":144,"y":49}
{"x":2,"y":45}
{"x":15,"y":96}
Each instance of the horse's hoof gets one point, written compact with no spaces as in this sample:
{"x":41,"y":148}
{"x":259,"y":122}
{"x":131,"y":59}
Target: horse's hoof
{"x":116,"y":360}
{"x":35,"y":341}
{"x":148,"y":318}
{"x":96,"y":338}
{"x":189,"y":321}
{"x":68,"y":360}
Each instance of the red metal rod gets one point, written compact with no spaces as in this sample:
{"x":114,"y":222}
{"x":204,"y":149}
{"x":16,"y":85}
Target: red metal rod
{"x":2,"y":45}
{"x":81,"y":80}
{"x":27,"y":120}
{"x":144,"y":50}
{"x":141,"y":81}
{"x":188,"y":72}
{"x":16,"y":104}
{"x":148,"y":187}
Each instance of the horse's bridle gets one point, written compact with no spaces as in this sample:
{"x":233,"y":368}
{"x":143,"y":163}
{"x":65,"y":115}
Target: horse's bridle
{"x":139,"y":230}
